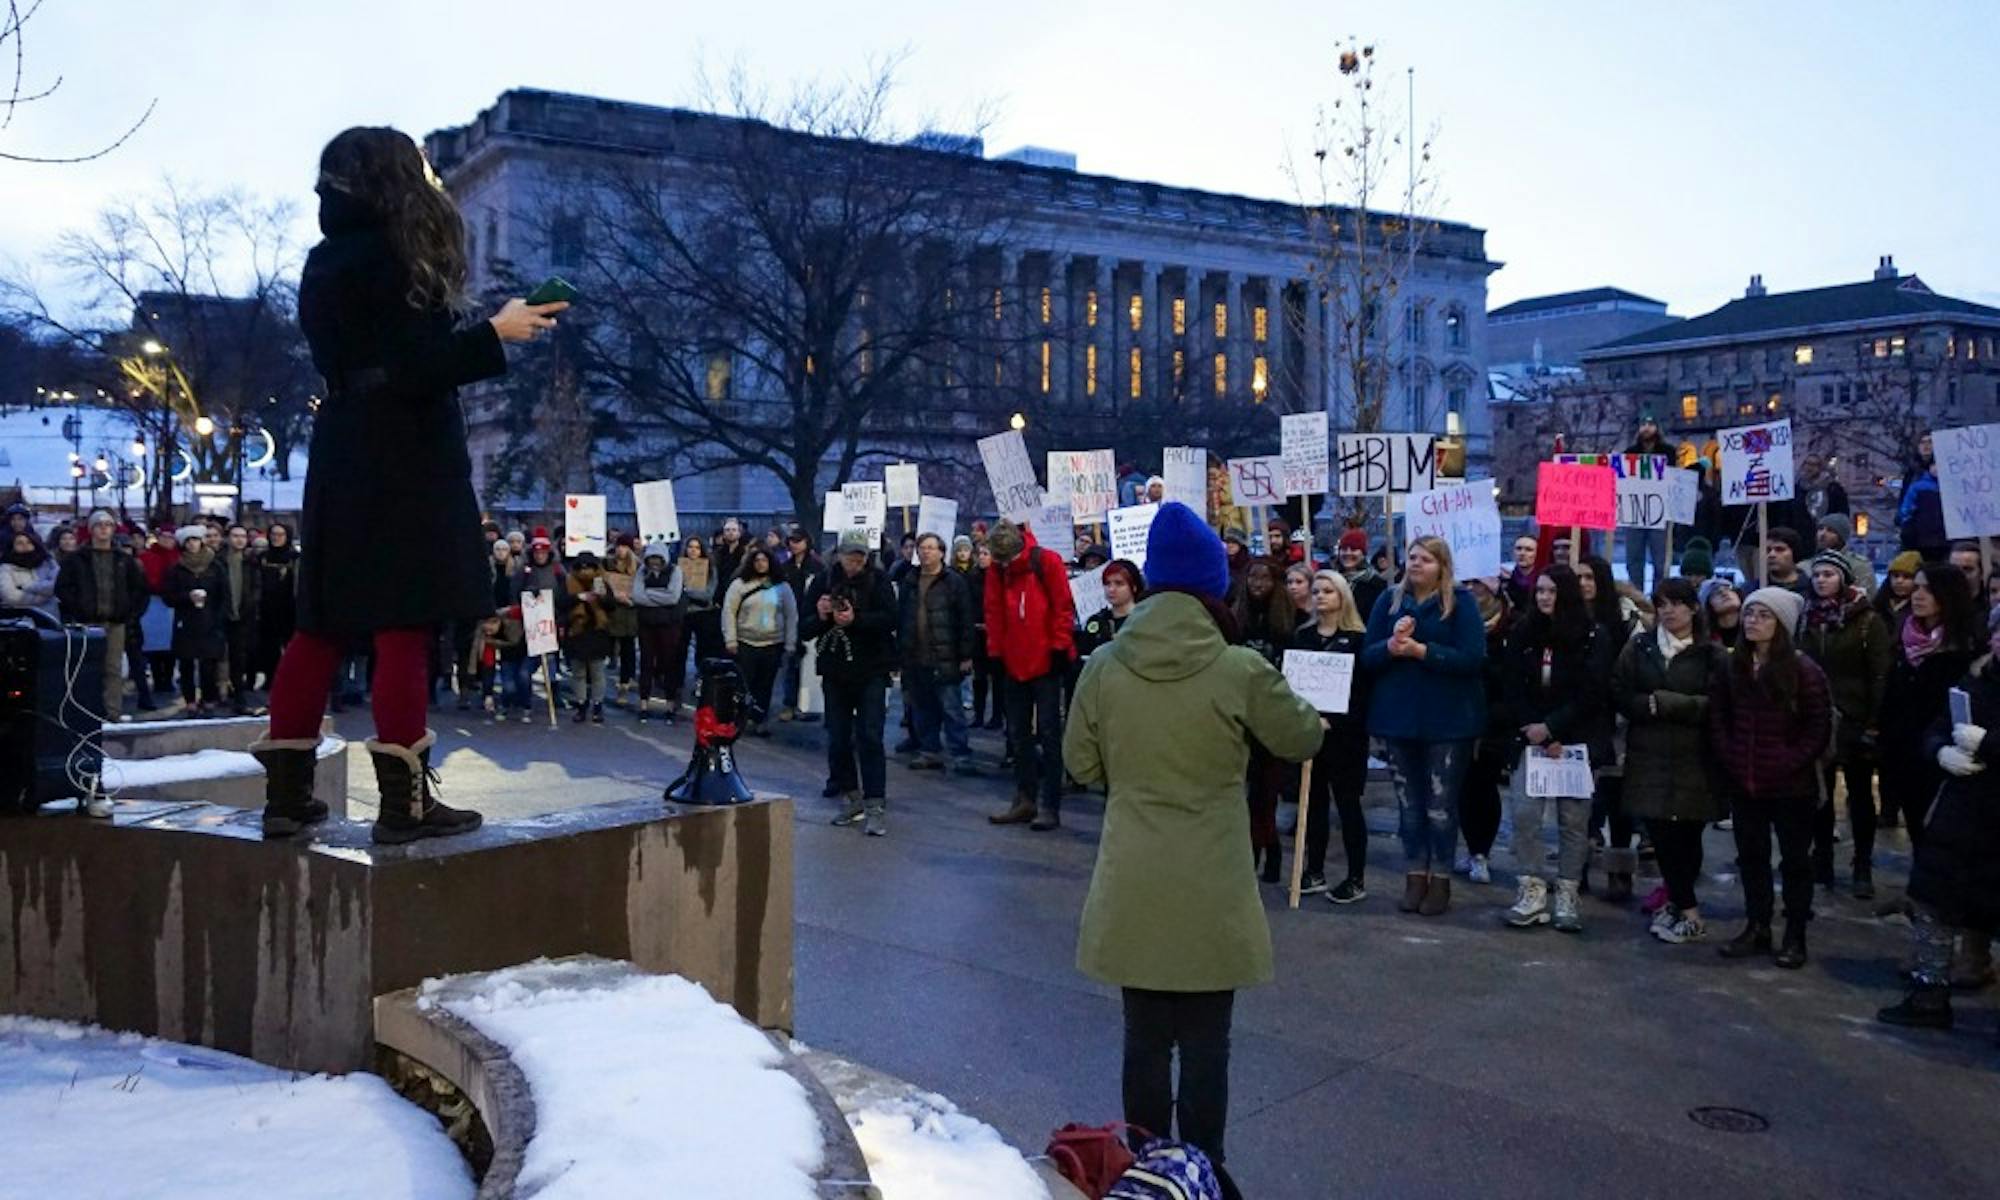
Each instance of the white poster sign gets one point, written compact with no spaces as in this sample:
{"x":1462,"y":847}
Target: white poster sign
{"x":1467,"y":516}
{"x":865,"y":506}
{"x":1011,"y":475}
{"x":538,"y":616}
{"x":659,"y":518}
{"x":900,"y":480}
{"x":1089,"y":478}
{"x":1257,"y":482}
{"x":1303,"y":451}
{"x":835,"y":519}
{"x":1756,"y":463}
{"x":1053,"y":523}
{"x":1324,"y":681}
{"x":1185,"y":469}
{"x":935,"y":514}
{"x":583,"y":525}
{"x":1565,"y":778}
{"x":1061,"y":474}
{"x":1087,"y":589}
{"x":1129,"y":527}
{"x":1387,"y":464}
{"x":1968,"y":471}
{"x":1683,"y":494}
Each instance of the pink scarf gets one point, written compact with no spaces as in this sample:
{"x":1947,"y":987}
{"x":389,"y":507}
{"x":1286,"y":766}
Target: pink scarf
{"x":1918,"y":645}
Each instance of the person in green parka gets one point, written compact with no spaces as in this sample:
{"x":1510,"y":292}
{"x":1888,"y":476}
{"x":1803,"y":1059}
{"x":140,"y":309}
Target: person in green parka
{"x":1164,"y":717}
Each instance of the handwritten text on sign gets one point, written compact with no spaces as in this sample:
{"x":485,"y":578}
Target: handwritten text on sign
{"x":1576,"y":494}
{"x":1757,"y":463}
{"x":1466,"y":516}
{"x":1086,"y":589}
{"x":538,"y":616}
{"x":1643,"y":486}
{"x":1566,"y":778}
{"x":1302,"y":447}
{"x":659,"y":519}
{"x":1387,"y":464}
{"x":936,"y":514}
{"x":866,"y":507}
{"x":901,"y":482}
{"x":1968,"y":471}
{"x":1092,"y":482}
{"x":1129,"y":528}
{"x":583,"y":525}
{"x":1185,"y":470}
{"x":1324,"y":681}
{"x":1255,"y":482}
{"x":1011,"y":475}
{"x":1683,"y":494}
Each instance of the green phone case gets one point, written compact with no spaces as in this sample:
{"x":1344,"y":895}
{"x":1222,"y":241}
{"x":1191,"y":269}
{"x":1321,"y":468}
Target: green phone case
{"x":553,"y":289}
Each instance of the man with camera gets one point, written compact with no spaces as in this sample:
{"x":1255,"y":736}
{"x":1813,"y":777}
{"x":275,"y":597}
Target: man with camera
{"x":851,"y":612}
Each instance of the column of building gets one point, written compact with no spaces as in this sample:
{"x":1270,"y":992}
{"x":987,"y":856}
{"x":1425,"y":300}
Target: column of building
{"x":1278,"y":350}
{"x":1101,"y":338}
{"x":1231,"y":345}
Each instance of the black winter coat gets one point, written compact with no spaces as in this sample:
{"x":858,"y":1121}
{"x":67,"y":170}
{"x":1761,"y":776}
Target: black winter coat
{"x":277,"y":599}
{"x":1668,"y":770}
{"x":1576,"y":701}
{"x":1957,"y":869}
{"x":950,"y":622}
{"x":76,"y":589}
{"x":863,"y":649}
{"x":199,"y":632}
{"x":1914,"y":698}
{"x":391,"y":535}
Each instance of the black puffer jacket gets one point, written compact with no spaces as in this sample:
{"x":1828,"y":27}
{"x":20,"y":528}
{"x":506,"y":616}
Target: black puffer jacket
{"x":865,"y":648}
{"x":1575,"y":702}
{"x":1668,"y":771}
{"x":200,"y":630}
{"x":1957,"y":868}
{"x":950,"y":625}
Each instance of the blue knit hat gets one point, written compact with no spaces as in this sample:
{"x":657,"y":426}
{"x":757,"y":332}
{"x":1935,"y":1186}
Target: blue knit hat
{"x":1182,"y":551}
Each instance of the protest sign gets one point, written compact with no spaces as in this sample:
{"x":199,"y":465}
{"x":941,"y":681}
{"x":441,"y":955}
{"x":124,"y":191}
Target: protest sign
{"x":1643,"y":486}
{"x":1566,"y":778}
{"x":538,"y":617}
{"x":583,"y":525}
{"x":835,"y":518}
{"x":1087,"y":589}
{"x":1683,"y":494}
{"x":1061,"y":474}
{"x":1968,"y":472}
{"x":1185,"y":469}
{"x":659,"y":518}
{"x":1387,"y":464}
{"x":1756,"y":463}
{"x":1088,"y":478}
{"x":865,"y":506}
{"x":1129,"y":527}
{"x":1053,"y":521}
{"x":1011,"y":475}
{"x":1576,"y":494}
{"x":1324,"y":681}
{"x":900,"y":482}
{"x":1256,"y":482}
{"x":1303,"y":452}
{"x":935,"y":514}
{"x":1467,"y":516}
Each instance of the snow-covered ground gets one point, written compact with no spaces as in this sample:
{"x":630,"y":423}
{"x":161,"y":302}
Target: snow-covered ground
{"x":90,"y":1115}
{"x":921,"y":1147}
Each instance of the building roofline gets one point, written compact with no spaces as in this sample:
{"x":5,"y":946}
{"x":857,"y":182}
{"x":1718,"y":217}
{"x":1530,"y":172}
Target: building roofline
{"x":1614,"y":350}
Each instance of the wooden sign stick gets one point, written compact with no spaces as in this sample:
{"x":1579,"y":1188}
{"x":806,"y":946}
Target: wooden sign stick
{"x":1763,"y":541}
{"x":1575,"y":547}
{"x":1299,"y":832}
{"x":549,"y":678}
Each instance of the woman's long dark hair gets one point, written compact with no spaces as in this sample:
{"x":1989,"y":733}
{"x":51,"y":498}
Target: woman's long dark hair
{"x":1570,"y":623}
{"x":1682,"y":592}
{"x":1271,"y":617}
{"x":770,"y":571}
{"x":1953,"y":593}
{"x":382,"y":170}
{"x":1780,"y":675}
{"x":1605,"y":610}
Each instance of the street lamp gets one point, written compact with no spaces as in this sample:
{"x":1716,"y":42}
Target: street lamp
{"x":1017,"y":422}
{"x":204,"y":426}
{"x":138,"y":448}
{"x":150,"y":346}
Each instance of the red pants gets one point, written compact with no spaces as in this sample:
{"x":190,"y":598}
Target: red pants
{"x":305,"y":676}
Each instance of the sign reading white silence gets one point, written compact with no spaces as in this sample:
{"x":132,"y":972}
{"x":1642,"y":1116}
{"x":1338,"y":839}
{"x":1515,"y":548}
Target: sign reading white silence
{"x":1303,"y":451}
{"x":936,"y":514}
{"x":1129,"y":527}
{"x":1324,"y":681}
{"x":538,"y":616}
{"x":1011,"y":475}
{"x":583,"y":526}
{"x":1086,"y":588}
{"x":1467,"y":516}
{"x":659,"y":517}
{"x":1565,"y":778}
{"x":900,"y":481}
{"x":1185,"y":470}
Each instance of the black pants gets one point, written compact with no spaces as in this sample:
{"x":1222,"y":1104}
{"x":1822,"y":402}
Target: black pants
{"x":701,"y":631}
{"x":657,"y":665}
{"x":1034,"y":736}
{"x":760,"y":672}
{"x":1790,"y":817}
{"x":1860,"y":776}
{"x":1909,"y":784}
{"x":985,"y":682}
{"x":237,"y":633}
{"x":855,"y":710}
{"x":1340,"y":773}
{"x":626,"y":651}
{"x":209,"y":671}
{"x":1479,"y":798}
{"x":1197,"y":1025}
{"x":1677,"y":845}
{"x":1608,"y":808}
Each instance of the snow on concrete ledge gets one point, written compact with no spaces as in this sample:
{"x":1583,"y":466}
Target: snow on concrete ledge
{"x":121,"y":774}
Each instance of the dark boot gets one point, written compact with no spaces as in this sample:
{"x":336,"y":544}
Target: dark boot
{"x":1924,"y":1008}
{"x":1792,"y":952}
{"x":1617,"y":887}
{"x":1049,"y":817}
{"x":1753,"y":942}
{"x":1864,"y":881}
{"x":1020,"y":812}
{"x":1415,"y":885}
{"x":1273,"y":862}
{"x":1437,"y":897}
{"x":409,"y":811}
{"x":288,"y":785}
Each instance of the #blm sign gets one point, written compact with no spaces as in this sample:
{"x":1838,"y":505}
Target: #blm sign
{"x":1387,"y":464}
{"x":1466,"y":516}
{"x":1129,"y":527}
{"x":538,"y":617}
{"x":1086,"y":588}
{"x":1324,"y":681}
{"x":1576,"y":494}
{"x":1968,"y":471}
{"x":583,"y":525}
{"x":936,"y":514}
{"x":1257,"y":482}
{"x":659,"y":518}
{"x":1643,"y":486}
{"x":900,"y":480}
{"x":1302,"y":450}
{"x":1756,"y":463}
{"x":1566,"y":778}
{"x":1011,"y":475}
{"x":1185,"y":470}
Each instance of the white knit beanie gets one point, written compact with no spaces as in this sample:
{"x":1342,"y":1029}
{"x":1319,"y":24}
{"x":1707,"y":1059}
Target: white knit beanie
{"x":1787,"y":604}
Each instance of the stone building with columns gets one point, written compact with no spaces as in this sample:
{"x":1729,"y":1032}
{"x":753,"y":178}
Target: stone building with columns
{"x":1128,"y":291}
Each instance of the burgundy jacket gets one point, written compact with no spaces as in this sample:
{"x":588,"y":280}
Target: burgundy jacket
{"x":1766,"y":751}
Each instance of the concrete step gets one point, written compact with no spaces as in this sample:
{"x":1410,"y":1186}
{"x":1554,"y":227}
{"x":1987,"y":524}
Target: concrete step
{"x":160,"y":739}
{"x":216,"y":775}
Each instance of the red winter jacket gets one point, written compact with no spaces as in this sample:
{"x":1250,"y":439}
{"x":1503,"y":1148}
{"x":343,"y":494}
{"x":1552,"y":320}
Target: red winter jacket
{"x":1766,"y":751}
{"x":1029,"y":620}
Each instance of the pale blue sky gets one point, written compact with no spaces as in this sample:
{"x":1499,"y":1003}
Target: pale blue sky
{"x":1669,"y":149}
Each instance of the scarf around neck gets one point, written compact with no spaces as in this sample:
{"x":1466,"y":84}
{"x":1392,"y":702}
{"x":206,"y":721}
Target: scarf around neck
{"x":1919,"y":645}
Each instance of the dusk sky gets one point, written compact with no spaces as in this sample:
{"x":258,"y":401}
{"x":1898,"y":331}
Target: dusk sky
{"x":1670,"y":149}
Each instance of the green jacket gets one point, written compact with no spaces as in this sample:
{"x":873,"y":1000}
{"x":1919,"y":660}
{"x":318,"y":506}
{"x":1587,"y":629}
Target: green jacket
{"x":1856,"y":655}
{"x":1165,"y":715}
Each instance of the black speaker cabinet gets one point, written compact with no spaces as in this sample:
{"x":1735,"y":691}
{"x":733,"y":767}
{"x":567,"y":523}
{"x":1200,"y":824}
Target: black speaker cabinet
{"x":42,"y":738}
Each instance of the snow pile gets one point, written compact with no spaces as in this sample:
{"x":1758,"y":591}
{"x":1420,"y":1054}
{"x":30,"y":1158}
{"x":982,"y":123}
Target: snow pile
{"x":123,"y":773}
{"x":644,"y":1086}
{"x":87,"y":1113}
{"x":920,"y":1147}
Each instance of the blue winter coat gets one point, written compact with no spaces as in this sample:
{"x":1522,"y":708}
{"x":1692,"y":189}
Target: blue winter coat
{"x":1440,"y":697}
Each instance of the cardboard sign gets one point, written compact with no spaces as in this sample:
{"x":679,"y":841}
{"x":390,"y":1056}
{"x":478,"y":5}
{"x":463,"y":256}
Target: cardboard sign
{"x":935,"y":514}
{"x":835,"y":518}
{"x":620,"y":585}
{"x":1387,"y":464}
{"x":1053,"y":521}
{"x":659,"y":517}
{"x":1324,"y":681}
{"x":1756,"y":463}
{"x":1087,"y":589}
{"x":1683,"y":494}
{"x":865,"y":506}
{"x":538,"y":616}
{"x":1576,"y":494}
{"x":1256,"y":482}
{"x":1303,"y":452}
{"x":1088,"y":478}
{"x":1643,"y":486}
{"x":583,"y":526}
{"x":1062,"y":473}
{"x":1565,"y":778}
{"x":1467,"y":516}
{"x":1129,"y":527}
{"x":1185,"y":469}
{"x":1968,"y":471}
{"x":1011,"y":475}
{"x":900,"y":482}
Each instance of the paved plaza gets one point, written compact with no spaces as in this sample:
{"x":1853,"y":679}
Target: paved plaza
{"x":1394,"y":1056}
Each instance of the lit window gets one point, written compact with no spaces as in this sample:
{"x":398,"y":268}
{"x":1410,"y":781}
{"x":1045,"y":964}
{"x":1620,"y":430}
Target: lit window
{"x":1180,"y":316}
{"x":1090,"y":370}
{"x":1048,"y":306}
{"x":809,"y":364}
{"x":1135,"y":366}
{"x":1773,"y":402}
{"x":718,"y":374}
{"x":1881,"y":347}
{"x":1222,"y":320}
{"x":1745,"y":407}
{"x":998,"y":295}
{"x":1951,"y":345}
{"x":1048,"y":354}
{"x":1895,"y":347}
{"x":1454,"y":402}
{"x":867,"y":357}
{"x":1260,"y":324}
{"x":1802,"y":355}
{"x":1260,"y":379}
{"x":1690,"y":406}
{"x":1222,"y":374}
{"x":1137,"y":311}
{"x":1090,"y":307}
{"x":1180,"y":372}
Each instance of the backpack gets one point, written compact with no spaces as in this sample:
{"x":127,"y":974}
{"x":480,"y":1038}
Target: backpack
{"x":1168,"y":1171}
{"x":1093,"y":1157}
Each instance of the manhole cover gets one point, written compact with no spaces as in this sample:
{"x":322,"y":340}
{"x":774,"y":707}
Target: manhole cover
{"x":1728,"y":1120}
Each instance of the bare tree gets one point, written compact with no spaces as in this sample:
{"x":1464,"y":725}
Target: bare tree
{"x":13,"y":43}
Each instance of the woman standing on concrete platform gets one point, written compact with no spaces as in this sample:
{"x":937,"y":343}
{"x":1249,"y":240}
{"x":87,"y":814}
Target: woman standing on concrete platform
{"x":1164,"y":716}
{"x":390,"y":543}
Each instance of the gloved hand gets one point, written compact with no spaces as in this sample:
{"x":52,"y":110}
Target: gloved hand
{"x":1968,"y":737}
{"x":1958,"y":762}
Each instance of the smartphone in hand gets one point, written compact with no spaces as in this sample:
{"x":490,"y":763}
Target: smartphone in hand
{"x":554,"y":288}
